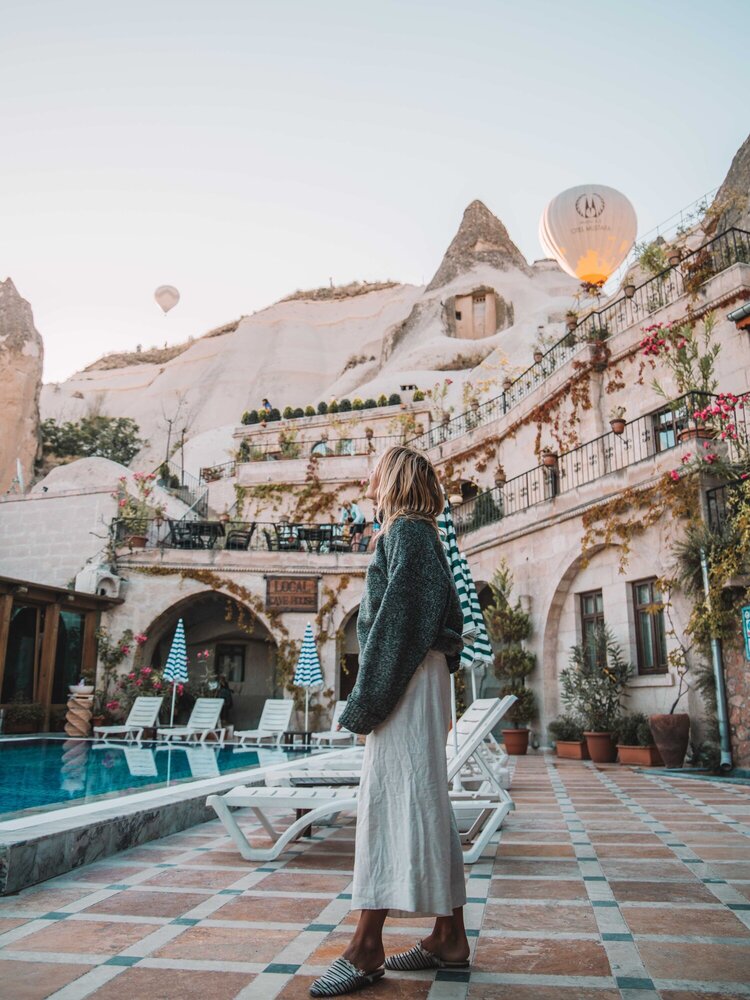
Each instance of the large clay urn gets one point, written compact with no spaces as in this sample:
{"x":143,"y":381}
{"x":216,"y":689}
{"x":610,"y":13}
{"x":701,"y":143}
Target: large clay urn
{"x":671,"y":735}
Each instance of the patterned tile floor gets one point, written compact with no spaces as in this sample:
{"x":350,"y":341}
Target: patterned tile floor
{"x":607,"y":883}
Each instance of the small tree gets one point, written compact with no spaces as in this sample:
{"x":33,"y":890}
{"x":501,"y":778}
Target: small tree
{"x":250,"y":417}
{"x":382,"y":399}
{"x":309,"y":411}
{"x":345,"y":405}
{"x":287,"y":413}
{"x":593,"y":686}
{"x":298,"y":412}
{"x":322,"y":407}
{"x":394,"y":399}
{"x":509,"y":626}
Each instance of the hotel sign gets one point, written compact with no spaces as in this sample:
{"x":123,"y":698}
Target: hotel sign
{"x":292,"y":593}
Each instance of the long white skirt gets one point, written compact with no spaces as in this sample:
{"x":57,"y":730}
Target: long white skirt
{"x":408,"y":856}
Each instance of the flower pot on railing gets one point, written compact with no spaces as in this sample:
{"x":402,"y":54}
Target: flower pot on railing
{"x":507,"y":384}
{"x":674,"y":257}
{"x":538,"y":355}
{"x":628,"y":290}
{"x":696,"y":432}
{"x":445,"y":419}
{"x":571,"y":322}
{"x":601,"y":747}
{"x":137,"y":541}
{"x":671,"y":735}
{"x":617,"y":425}
{"x":549,"y":459}
{"x":500,"y":477}
{"x":475,"y":405}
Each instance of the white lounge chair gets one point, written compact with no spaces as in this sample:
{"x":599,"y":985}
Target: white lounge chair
{"x":203,"y":722}
{"x":485,"y":812}
{"x":275,"y":720}
{"x":142,"y":715}
{"x":334,"y":736}
{"x":202,"y":759}
{"x":141,"y":762}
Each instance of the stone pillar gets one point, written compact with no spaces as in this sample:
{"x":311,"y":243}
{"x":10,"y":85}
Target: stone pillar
{"x":80,"y":707}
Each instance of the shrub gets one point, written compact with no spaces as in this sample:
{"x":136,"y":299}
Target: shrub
{"x":382,"y":399}
{"x":486,"y":511}
{"x":250,"y":417}
{"x":369,"y":404}
{"x":394,"y":399}
{"x":345,"y":405}
{"x":322,"y":408}
{"x":357,"y":404}
{"x":509,"y":626}
{"x":243,"y":452}
{"x":333,"y":406}
{"x":274,"y":414}
{"x":299,"y":412}
{"x":633,"y":730}
{"x":418,"y":396}
{"x":566,"y":729}
{"x":594,"y":684}
{"x":287,"y":413}
{"x":115,"y":438}
{"x":309,"y":411}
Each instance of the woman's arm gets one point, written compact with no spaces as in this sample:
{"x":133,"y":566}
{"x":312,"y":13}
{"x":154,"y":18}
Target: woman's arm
{"x":405,"y":627}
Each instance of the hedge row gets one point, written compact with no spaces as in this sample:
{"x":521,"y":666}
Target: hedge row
{"x":342,"y":406}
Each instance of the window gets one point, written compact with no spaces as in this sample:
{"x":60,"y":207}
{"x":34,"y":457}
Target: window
{"x":230,"y":661}
{"x":649,"y":628}
{"x":479,"y":312}
{"x":666,"y":426}
{"x":592,"y":616}
{"x":458,"y":314}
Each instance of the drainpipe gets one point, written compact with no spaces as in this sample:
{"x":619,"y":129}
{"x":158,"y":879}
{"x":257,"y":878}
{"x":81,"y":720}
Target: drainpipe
{"x":718,"y":668}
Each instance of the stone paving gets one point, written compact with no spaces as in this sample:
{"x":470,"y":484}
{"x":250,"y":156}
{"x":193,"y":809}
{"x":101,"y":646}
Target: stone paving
{"x":606,"y":883}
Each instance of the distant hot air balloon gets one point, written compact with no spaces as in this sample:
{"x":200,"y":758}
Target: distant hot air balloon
{"x":167,"y":296}
{"x":589,"y":230}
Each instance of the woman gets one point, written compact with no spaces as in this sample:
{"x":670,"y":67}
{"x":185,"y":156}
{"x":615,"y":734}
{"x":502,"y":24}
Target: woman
{"x":408,"y":858}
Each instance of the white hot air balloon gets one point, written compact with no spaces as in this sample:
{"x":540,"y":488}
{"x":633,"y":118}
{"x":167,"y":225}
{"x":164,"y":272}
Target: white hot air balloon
{"x":167,"y":296}
{"x":589,"y":230}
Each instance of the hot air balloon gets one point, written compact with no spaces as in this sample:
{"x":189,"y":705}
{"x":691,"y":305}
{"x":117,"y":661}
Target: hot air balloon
{"x":167,"y":296}
{"x":589,"y":230}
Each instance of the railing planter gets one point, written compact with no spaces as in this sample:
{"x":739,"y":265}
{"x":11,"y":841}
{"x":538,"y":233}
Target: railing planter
{"x":618,"y":425}
{"x":368,"y":433}
{"x":507,"y":384}
{"x":137,"y":541}
{"x":571,"y":321}
{"x":538,"y":355}
{"x":628,"y":290}
{"x":696,"y":433}
{"x":675,"y":256}
{"x":500,"y":477}
{"x":549,"y":458}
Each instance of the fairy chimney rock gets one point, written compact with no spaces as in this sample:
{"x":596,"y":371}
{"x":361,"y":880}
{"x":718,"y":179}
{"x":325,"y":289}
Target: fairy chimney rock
{"x":21,"y":356}
{"x":732,"y":202}
{"x":481,"y":239}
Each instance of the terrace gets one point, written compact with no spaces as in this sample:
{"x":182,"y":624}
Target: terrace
{"x":606,"y":883}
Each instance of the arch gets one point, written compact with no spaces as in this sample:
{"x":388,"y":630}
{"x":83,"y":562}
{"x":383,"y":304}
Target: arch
{"x":347,"y":658}
{"x":230,"y":638}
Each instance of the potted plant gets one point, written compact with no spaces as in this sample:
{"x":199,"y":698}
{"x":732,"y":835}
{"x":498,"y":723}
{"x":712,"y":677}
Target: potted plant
{"x":571,"y":320}
{"x":549,"y":457}
{"x":23,"y":716}
{"x":538,"y":354}
{"x":136,"y":511}
{"x":674,"y":256}
{"x":628,"y":287}
{"x":617,"y":419}
{"x":507,"y":383}
{"x":500,"y":477}
{"x":369,"y":433}
{"x":635,"y":744}
{"x":509,"y":626}
{"x":567,"y":733}
{"x":593,"y":686}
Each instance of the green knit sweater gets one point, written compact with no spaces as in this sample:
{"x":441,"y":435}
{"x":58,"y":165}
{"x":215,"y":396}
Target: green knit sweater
{"x":409,"y":606}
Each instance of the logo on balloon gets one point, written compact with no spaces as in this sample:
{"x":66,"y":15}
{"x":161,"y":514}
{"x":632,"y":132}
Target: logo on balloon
{"x":590,"y":206}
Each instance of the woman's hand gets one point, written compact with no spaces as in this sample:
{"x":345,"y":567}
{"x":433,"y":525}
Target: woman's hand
{"x":338,"y":727}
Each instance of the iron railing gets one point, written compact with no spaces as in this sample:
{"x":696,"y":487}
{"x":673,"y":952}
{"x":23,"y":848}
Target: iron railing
{"x":643,"y":438}
{"x":185,"y":487}
{"x":239,"y":536}
{"x":694,"y":269}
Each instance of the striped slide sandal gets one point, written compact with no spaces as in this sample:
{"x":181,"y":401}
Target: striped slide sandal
{"x":343,"y":977}
{"x":420,"y":958}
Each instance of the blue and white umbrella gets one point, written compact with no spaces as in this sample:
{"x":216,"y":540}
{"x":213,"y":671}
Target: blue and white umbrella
{"x":308,"y":673}
{"x":176,"y":669}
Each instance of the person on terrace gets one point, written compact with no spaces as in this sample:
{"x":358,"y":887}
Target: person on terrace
{"x":408,"y":860}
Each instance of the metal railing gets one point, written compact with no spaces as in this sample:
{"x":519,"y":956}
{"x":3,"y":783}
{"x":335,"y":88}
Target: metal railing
{"x":643,"y":438}
{"x":185,"y":487}
{"x":694,"y":269}
{"x":239,"y":536}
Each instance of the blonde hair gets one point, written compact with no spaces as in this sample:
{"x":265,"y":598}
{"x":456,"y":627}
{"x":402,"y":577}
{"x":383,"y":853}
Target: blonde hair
{"x":408,"y":486}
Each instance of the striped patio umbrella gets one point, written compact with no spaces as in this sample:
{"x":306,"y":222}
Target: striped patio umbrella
{"x":477,"y":649}
{"x":308,"y":673}
{"x":176,"y":669}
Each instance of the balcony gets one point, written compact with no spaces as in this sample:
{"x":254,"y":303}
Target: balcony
{"x":687,"y":277}
{"x":647,"y":437}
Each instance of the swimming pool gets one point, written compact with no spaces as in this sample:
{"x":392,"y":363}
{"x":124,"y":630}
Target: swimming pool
{"x":42,"y":774}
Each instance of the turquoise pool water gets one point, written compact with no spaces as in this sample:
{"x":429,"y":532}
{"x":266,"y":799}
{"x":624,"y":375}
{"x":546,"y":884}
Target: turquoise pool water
{"x":43,"y":774}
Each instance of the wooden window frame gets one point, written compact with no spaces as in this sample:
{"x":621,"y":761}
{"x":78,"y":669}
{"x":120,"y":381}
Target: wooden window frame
{"x":659,"y":656}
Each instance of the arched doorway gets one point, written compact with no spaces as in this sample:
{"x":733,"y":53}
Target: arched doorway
{"x":223,"y":637}
{"x":348,"y":656}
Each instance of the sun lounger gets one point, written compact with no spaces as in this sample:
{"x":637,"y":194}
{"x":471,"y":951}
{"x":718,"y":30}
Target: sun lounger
{"x":203,"y":722}
{"x":275,"y":720}
{"x":334,"y":736}
{"x":142,"y":715}
{"x":485,"y":812}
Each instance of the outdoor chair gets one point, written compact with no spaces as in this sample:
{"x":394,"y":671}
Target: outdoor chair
{"x":274,"y":722}
{"x":203,"y":722}
{"x":180,"y":535}
{"x":201,"y":760}
{"x":142,"y":715}
{"x":333,"y":735}
{"x":239,"y":540}
{"x":483,"y":812}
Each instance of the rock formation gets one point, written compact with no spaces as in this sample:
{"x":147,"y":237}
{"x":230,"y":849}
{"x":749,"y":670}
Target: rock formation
{"x":481,"y":239}
{"x":21,"y":356}
{"x":731,"y":206}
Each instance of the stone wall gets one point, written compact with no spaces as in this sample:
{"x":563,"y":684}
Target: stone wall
{"x":737,"y":675}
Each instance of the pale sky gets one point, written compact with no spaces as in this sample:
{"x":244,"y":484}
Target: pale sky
{"x":241,"y":149}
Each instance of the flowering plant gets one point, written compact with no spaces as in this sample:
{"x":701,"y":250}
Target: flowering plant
{"x":137,"y":510}
{"x":140,"y":681}
{"x":688,"y":355}
{"x":111,"y":653}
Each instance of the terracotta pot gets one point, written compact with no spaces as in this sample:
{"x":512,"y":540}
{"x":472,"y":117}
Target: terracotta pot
{"x":500,"y":480}
{"x":696,"y":433}
{"x":629,"y":291}
{"x":516,"y":741}
{"x":601,"y":747}
{"x":507,"y":383}
{"x":137,"y":541}
{"x":618,"y":426}
{"x":640,"y":756}
{"x":571,"y":323}
{"x":538,"y":356}
{"x":671,"y":735}
{"x":674,"y":258}
{"x":572,"y":749}
{"x":550,"y":460}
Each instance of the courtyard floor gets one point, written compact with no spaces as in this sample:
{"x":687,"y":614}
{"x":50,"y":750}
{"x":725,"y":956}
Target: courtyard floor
{"x":606,"y":883}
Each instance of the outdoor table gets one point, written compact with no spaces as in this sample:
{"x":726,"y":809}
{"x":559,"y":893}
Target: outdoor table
{"x":315,"y":536}
{"x":295,"y":737}
{"x":204,"y":534}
